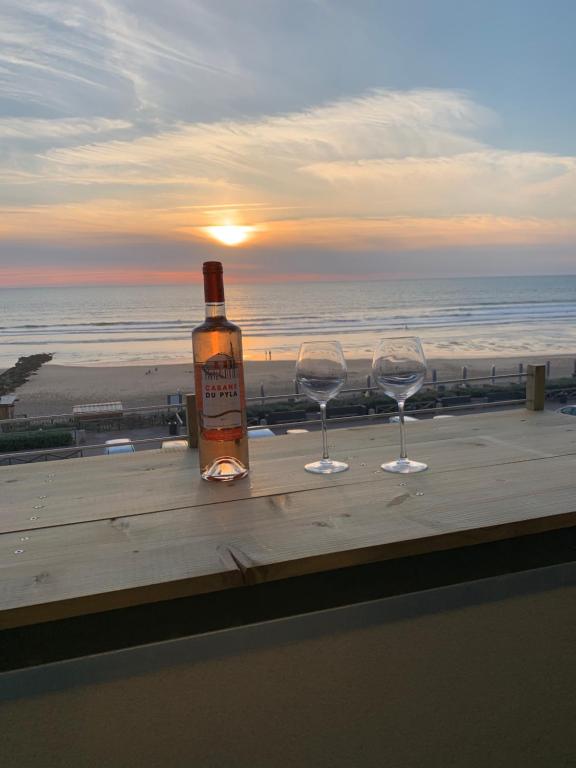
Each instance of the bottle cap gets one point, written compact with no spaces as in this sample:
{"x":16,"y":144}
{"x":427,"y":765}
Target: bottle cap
{"x":213,"y":282}
{"x":212,"y":266}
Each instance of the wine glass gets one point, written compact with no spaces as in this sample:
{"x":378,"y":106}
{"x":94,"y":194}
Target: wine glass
{"x":321,"y":374}
{"x":399,"y":368}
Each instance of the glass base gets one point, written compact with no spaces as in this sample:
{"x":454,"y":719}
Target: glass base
{"x":404,"y":466}
{"x":225,"y":469}
{"x":326,"y":467}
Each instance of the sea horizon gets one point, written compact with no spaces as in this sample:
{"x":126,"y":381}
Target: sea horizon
{"x":233,"y":281}
{"x":456,"y":317}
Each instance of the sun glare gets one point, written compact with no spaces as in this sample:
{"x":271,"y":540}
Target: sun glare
{"x":230,"y":234}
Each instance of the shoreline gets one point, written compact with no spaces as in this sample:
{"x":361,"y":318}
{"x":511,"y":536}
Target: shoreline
{"x":55,"y":388}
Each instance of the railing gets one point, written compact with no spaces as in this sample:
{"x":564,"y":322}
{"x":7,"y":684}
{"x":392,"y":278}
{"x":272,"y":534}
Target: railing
{"x":369,"y":388}
{"x":535,"y":395}
{"x":28,"y":457}
{"x":535,"y":376}
{"x":31,"y":457}
{"x":75,"y":418}
{"x":60,"y":417}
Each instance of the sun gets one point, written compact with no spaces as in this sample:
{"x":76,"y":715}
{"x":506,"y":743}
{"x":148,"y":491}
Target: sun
{"x":230,"y":234}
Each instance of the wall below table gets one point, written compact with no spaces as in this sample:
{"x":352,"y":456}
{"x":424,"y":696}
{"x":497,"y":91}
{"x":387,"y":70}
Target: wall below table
{"x":475,"y":675}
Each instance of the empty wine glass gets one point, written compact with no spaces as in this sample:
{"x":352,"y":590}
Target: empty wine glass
{"x":399,"y":368}
{"x":321,"y":374}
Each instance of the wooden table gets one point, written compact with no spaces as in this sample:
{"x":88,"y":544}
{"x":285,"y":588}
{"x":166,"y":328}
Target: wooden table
{"x":87,"y":536}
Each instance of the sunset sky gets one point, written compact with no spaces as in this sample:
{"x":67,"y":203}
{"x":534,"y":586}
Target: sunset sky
{"x":359,"y":139}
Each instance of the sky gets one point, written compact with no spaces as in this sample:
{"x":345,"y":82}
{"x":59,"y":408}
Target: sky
{"x":334,"y":139}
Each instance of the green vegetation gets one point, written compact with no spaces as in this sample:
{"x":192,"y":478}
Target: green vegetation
{"x":561,"y":390}
{"x":297,"y":407}
{"x":19,"y":374}
{"x":36,"y":440}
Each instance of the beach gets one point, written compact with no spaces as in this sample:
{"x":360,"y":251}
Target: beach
{"x":55,"y":389}
{"x":132,"y":344}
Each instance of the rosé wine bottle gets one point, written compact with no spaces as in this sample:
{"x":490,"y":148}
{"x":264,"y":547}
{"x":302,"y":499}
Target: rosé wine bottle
{"x":219,"y":380}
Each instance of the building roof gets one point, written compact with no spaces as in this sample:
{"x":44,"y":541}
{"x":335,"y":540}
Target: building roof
{"x":115,"y":407}
{"x":8,"y":399}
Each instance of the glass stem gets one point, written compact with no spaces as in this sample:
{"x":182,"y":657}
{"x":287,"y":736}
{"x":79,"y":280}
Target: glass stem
{"x":324,"y":432}
{"x":403,"y":454}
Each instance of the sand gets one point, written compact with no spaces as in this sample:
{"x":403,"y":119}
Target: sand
{"x":55,"y":389}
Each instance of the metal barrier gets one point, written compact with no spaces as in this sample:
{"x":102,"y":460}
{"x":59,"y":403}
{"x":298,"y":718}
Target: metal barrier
{"x":255,"y":399}
{"x":387,"y":414}
{"x":31,"y":457}
{"x":74,"y":417}
{"x":535,"y":395}
{"x":28,"y":457}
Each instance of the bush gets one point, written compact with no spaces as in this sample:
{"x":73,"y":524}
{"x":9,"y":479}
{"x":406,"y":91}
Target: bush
{"x":30,"y":441}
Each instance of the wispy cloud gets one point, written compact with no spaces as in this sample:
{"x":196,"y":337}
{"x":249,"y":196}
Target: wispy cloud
{"x":271,"y":157}
{"x":379,"y":124}
{"x":420,"y":233}
{"x":484,"y":182}
{"x":128,"y":127}
{"x":105,"y":54}
{"x":64,"y":128}
{"x":384,"y":156}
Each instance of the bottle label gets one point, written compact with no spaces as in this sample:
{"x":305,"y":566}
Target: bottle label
{"x":220,"y":388}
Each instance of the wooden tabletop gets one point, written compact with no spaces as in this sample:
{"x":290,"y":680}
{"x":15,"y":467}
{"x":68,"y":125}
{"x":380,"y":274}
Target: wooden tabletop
{"x":87,"y":535}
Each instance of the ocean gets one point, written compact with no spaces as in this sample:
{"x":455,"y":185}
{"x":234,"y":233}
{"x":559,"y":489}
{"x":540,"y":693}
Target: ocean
{"x":459,"y":318}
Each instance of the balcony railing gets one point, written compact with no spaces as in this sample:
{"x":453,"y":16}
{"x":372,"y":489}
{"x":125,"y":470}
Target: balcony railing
{"x":535,"y":394}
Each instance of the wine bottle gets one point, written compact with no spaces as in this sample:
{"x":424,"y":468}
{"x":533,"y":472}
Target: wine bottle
{"x":219,"y":380}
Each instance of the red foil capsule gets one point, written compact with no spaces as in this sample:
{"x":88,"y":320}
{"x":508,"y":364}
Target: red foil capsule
{"x":213,"y":282}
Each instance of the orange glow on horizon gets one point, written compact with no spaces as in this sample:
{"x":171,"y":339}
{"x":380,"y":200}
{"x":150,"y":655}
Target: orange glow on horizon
{"x":33,"y":278}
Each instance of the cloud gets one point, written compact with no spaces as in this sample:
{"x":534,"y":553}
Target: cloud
{"x":64,"y":128}
{"x":482,"y":182}
{"x":126,"y":122}
{"x":381,"y":155}
{"x":271,"y":157}
{"x":380,"y":123}
{"x":108,"y":56}
{"x":386,"y":171}
{"x":406,"y":233}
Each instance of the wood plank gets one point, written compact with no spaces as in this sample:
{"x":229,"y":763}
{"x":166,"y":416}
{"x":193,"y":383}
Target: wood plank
{"x":356,"y":525}
{"x":144,"y":529}
{"x":91,"y":489}
{"x":535,"y":387}
{"x":91,"y":567}
{"x":168,"y":554}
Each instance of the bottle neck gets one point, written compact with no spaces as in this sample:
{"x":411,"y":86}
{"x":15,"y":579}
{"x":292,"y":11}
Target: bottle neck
{"x":215,"y":309}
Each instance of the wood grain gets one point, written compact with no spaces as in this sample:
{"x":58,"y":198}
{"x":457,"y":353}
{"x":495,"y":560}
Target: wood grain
{"x":79,"y":490}
{"x":535,"y":387}
{"x":117,"y":533}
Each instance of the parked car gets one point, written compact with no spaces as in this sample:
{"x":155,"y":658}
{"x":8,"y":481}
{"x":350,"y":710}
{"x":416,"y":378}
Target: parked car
{"x":257,"y":433}
{"x":119,"y":445}
{"x":567,"y":410}
{"x":396,"y":419}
